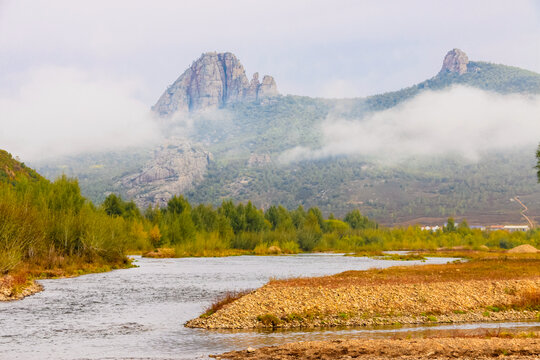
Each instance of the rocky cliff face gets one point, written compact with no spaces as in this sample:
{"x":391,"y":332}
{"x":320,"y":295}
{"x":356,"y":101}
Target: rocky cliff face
{"x":177,"y":166}
{"x":259,"y":160}
{"x":213,"y":80}
{"x":455,"y":61}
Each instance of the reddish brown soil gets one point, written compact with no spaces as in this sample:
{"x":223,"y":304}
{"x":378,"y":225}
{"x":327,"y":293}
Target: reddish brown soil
{"x":379,"y":349}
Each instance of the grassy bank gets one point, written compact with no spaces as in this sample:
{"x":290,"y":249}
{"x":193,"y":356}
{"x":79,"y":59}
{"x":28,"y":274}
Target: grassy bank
{"x":20,"y":281}
{"x":503,"y":287}
{"x":48,"y":229}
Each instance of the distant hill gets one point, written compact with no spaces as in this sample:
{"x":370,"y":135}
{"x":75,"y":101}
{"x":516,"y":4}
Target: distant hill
{"x":457,"y":70}
{"x":239,"y":129}
{"x":12,"y":170}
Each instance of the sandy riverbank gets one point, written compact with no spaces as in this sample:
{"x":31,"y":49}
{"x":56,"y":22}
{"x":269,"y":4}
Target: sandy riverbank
{"x":381,"y":349}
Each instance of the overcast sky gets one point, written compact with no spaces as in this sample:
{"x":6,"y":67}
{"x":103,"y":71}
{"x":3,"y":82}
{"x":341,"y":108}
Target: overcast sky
{"x":80,"y":76}
{"x":318,"y":48}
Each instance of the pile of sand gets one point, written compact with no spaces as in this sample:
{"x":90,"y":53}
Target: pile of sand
{"x":524,"y":249}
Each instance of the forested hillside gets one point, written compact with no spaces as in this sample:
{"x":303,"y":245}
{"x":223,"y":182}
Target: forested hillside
{"x":49,"y":229}
{"x":247,"y":138}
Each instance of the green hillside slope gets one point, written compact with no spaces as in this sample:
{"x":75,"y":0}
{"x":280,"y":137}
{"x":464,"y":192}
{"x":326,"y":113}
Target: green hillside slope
{"x":425,"y":191}
{"x":12,"y":170}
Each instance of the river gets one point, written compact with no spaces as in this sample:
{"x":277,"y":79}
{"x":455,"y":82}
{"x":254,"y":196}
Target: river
{"x":139,"y":313}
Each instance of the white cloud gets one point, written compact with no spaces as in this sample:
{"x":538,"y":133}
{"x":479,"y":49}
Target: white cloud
{"x":463,"y":121}
{"x":60,"y":111}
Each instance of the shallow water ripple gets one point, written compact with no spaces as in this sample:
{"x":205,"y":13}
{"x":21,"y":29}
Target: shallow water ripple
{"x":139,"y":313}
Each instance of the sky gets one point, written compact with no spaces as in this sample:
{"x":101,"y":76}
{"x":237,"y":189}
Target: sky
{"x":317,"y":48}
{"x":82,"y":75}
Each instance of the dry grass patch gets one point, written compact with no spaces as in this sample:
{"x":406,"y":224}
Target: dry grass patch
{"x":525,"y":266}
{"x":528,"y":300}
{"x":223,"y":300}
{"x":14,"y":284}
{"x":161,"y":253}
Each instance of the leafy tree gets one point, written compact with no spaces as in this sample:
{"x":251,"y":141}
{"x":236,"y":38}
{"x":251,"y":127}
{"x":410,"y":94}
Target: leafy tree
{"x":113,"y":205}
{"x":311,"y":233}
{"x":154,"y":236}
{"x":357,"y":221}
{"x":298,"y":217}
{"x":463,"y":225}
{"x":205,"y":218}
{"x":318,"y":214}
{"x":235,"y":215}
{"x":224,"y":228}
{"x":337,"y":226}
{"x":450,"y":225}
{"x":155,"y":215}
{"x":177,"y":205}
{"x":254,"y":218}
{"x":272,"y":215}
{"x":131,"y":211}
{"x":180,"y":228}
{"x":66,"y":195}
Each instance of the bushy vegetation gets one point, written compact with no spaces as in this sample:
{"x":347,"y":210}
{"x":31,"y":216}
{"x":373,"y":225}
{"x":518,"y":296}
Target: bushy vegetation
{"x":47,"y":226}
{"x":232,"y":229}
{"x":204,"y":230}
{"x":50,"y":225}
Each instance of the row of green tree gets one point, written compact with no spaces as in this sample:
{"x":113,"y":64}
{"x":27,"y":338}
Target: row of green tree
{"x":51,"y":223}
{"x":204,"y":230}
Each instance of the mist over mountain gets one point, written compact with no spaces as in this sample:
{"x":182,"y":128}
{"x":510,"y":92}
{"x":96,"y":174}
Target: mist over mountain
{"x":460,"y":143}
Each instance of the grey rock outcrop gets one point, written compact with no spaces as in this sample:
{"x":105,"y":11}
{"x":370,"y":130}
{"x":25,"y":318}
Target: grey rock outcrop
{"x":177,"y":166}
{"x":455,"y":61}
{"x":213,"y":80}
{"x":268,"y":87}
{"x":259,"y":160}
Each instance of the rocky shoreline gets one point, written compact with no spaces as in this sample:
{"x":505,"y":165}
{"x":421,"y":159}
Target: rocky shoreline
{"x":276,"y":306}
{"x":8,"y":293}
{"x":382,"y":349}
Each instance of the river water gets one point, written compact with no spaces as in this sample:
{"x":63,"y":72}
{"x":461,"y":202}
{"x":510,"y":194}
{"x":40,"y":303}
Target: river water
{"x":139,"y":312}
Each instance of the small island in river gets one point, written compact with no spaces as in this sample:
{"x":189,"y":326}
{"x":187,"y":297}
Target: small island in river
{"x":487,"y":287}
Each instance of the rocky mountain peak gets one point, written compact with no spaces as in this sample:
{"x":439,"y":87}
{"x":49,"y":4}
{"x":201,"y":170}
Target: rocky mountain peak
{"x":213,"y":80}
{"x":455,"y":61}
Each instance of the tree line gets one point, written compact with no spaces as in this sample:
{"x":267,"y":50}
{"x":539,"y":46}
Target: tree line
{"x":51,"y":225}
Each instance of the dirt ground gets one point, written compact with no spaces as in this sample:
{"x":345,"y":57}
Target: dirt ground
{"x":379,"y":349}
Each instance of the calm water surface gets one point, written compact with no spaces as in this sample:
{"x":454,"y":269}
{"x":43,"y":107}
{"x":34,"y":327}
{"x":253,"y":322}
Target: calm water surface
{"x":140,"y":312}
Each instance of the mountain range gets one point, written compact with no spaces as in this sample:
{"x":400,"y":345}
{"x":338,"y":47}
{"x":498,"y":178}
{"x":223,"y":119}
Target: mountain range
{"x":227,"y":136}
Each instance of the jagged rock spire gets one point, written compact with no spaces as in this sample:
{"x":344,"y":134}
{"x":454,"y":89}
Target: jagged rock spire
{"x":455,"y":61}
{"x":213,"y":80}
